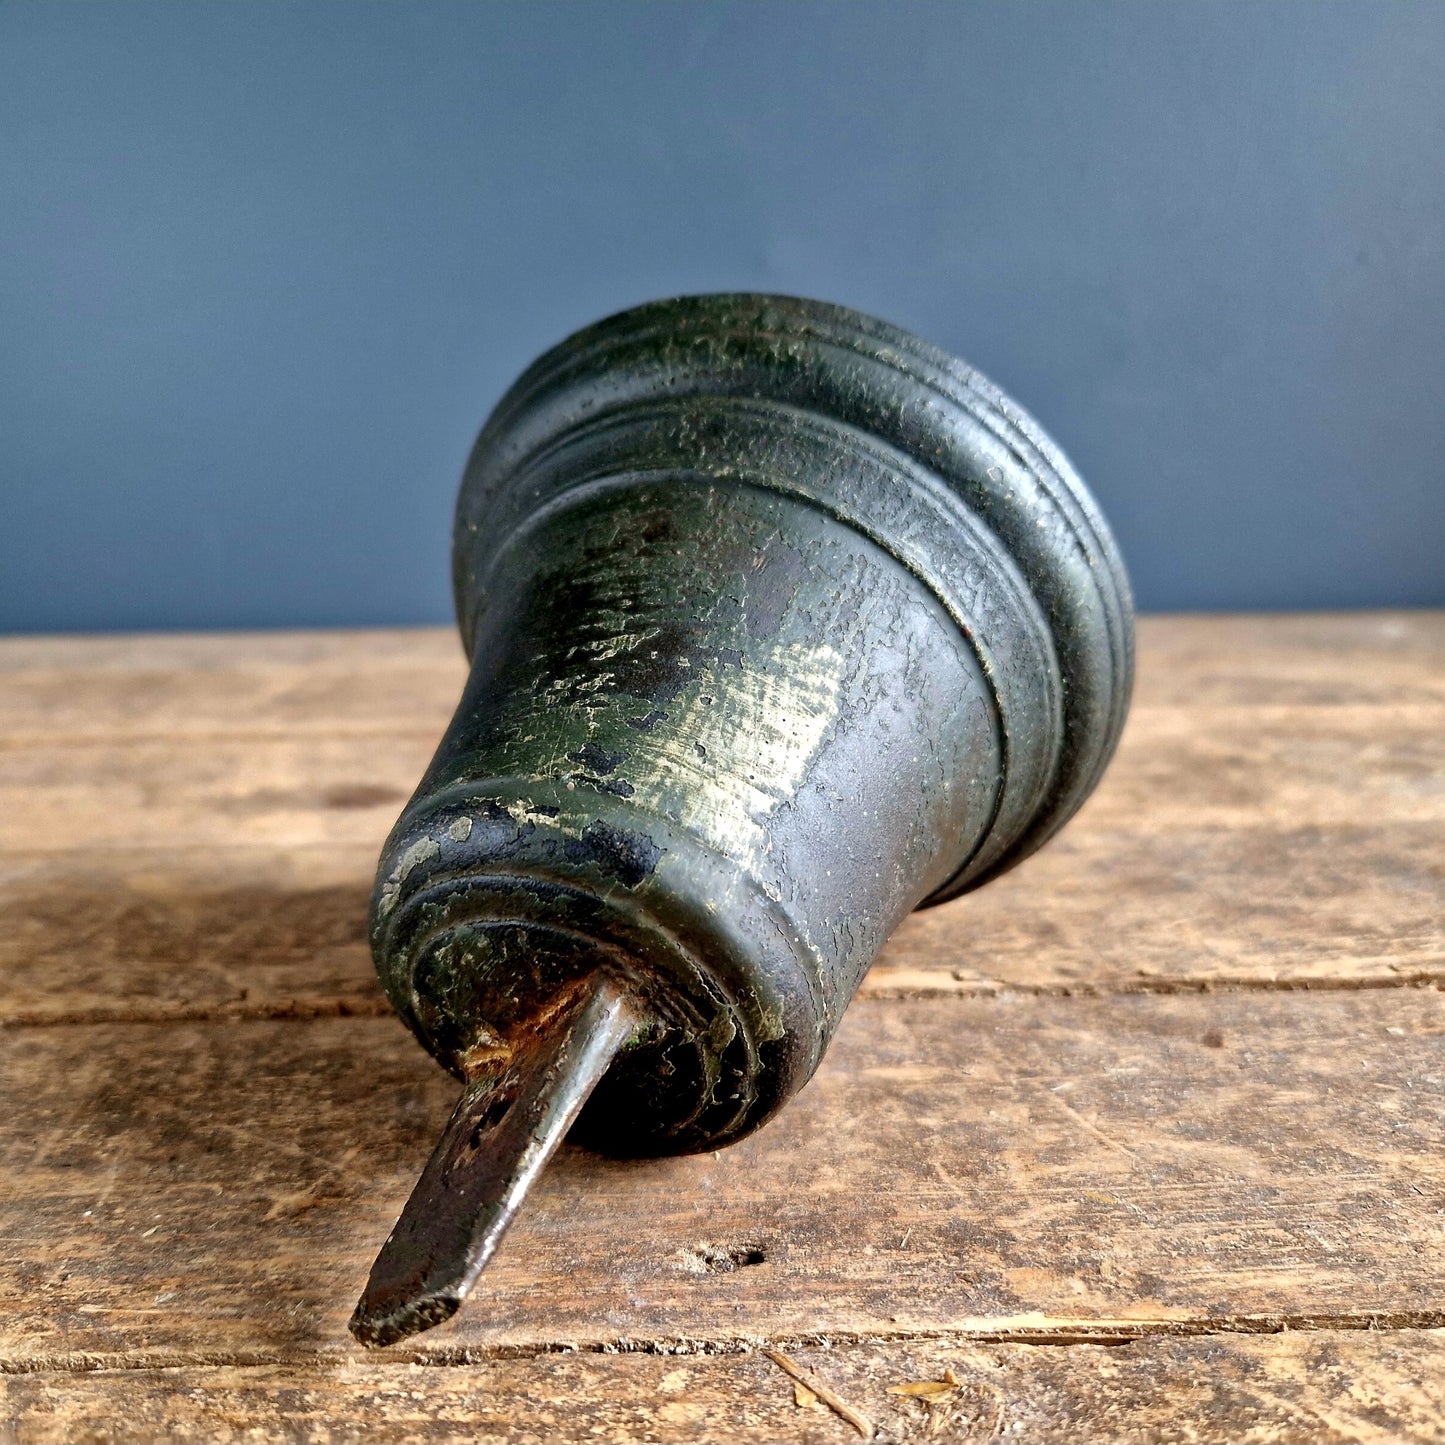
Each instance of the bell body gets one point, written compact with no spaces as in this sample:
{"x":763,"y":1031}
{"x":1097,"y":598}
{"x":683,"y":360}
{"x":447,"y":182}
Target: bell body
{"x":781,"y":624}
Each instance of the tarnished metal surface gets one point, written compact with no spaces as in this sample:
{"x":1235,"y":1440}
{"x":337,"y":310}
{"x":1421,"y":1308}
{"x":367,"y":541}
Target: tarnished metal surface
{"x":782,"y":623}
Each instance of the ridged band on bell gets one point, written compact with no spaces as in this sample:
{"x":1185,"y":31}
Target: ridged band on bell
{"x":782,"y":623}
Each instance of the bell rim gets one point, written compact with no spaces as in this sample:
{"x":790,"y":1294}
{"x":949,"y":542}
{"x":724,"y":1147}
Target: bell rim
{"x":869,"y":362}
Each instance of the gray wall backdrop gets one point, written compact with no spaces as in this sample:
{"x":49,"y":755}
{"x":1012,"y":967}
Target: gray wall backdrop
{"x":263,"y":270}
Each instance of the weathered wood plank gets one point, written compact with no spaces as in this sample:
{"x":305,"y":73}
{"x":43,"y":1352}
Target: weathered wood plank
{"x":1242,"y":844}
{"x":1318,"y":658}
{"x":1327,"y":1386}
{"x":310,"y":652}
{"x":210,"y":793}
{"x":1225,"y":767}
{"x":1176,"y":769}
{"x":278,"y":683}
{"x":1124,"y":1167}
{"x":1212,"y":855}
{"x":1297,"y":768}
{"x":1010,"y":1167}
{"x":231,"y":932}
{"x":1323,"y":1386}
{"x":1110,"y":910}
{"x":251,"y":931}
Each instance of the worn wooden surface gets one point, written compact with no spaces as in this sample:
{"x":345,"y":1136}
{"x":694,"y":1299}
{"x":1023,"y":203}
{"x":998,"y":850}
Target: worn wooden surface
{"x":1322,"y":1386}
{"x":1167,"y":1099}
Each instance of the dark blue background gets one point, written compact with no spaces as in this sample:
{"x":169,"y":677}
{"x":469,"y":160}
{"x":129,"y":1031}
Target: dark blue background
{"x":263,"y":270}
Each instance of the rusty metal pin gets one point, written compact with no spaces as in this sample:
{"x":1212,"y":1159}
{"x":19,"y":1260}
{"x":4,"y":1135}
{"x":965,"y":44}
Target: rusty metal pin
{"x":505,"y":1127}
{"x":782,"y":623}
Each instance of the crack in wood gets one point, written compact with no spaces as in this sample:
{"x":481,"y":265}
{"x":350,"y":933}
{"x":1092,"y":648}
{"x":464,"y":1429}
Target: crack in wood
{"x":886,"y":992}
{"x":367,"y":1006}
{"x":1061,"y":1335}
{"x":360,"y":1006}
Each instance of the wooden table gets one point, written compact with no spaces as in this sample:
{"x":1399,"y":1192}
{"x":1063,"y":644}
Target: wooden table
{"x":1143,"y":1142}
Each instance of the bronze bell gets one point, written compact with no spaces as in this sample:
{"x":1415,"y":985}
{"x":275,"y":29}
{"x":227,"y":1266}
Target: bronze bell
{"x":782,"y":623}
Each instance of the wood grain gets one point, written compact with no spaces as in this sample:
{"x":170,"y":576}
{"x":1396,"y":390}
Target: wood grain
{"x":164,"y":685}
{"x":1324,"y":1387}
{"x":249,"y":931}
{"x":1175,"y":1081}
{"x":198,"y":820}
{"x":1003,"y":1167}
{"x":204,"y":933}
{"x":1107,"y":910}
{"x":197,"y":685}
{"x":1314,"y":658}
{"x":1177,"y":769}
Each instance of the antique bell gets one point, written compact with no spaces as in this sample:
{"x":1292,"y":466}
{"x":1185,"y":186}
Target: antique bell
{"x":782,"y":623}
